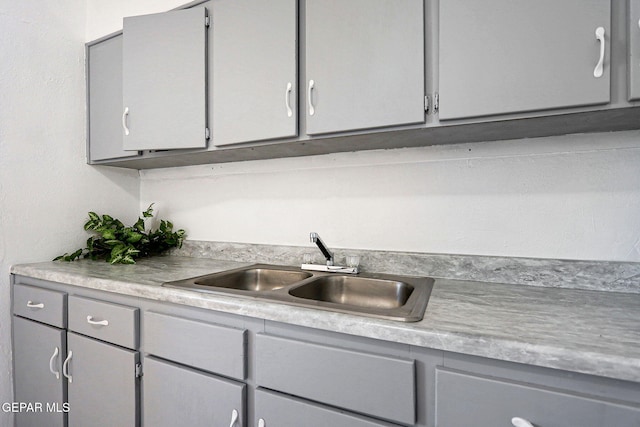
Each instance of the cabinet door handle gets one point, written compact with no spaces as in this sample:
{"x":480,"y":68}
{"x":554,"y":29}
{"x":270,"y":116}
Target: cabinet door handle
{"x":234,"y":418}
{"x":600,"y":65}
{"x":312,"y":110}
{"x":287,"y":101}
{"x":53,"y":357}
{"x":32,"y":304}
{"x":520,"y":422}
{"x":261,"y":423}
{"x":97,"y":322}
{"x":65,"y":367}
{"x":125,"y":113}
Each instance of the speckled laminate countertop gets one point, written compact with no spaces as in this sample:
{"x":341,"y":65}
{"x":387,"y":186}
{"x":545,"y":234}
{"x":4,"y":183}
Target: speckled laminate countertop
{"x":585,"y":331}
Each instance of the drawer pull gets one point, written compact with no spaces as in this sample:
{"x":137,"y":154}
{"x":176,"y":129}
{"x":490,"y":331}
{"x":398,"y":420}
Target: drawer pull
{"x":97,"y":322}
{"x":599,"y":67}
{"x":312,"y":110}
{"x":32,"y":304}
{"x":65,"y":367}
{"x":261,"y":423}
{"x":125,"y":113}
{"x":234,"y":418}
{"x":53,"y":357}
{"x":287,"y":95}
{"x":520,"y":422}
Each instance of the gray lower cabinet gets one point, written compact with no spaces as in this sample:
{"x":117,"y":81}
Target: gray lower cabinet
{"x":504,"y":56}
{"x":183,"y":379}
{"x":38,"y":351}
{"x":464,"y":399}
{"x":164,"y":80}
{"x":103,"y":386}
{"x":364,"y":64}
{"x":634,"y":50}
{"x":370,"y":384}
{"x":176,"y":395}
{"x":253,"y":70}
{"x":279,"y":410}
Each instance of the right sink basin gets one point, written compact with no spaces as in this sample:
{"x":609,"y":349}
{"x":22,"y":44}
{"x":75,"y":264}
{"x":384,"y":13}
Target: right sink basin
{"x":353,"y":290}
{"x":389,"y":297}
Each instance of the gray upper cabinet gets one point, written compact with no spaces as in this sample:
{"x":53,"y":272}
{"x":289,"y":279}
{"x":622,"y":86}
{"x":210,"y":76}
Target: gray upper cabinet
{"x":104,"y":102}
{"x":164,"y":80}
{"x":634,"y":50}
{"x":253,"y":59}
{"x":364,"y":64}
{"x":506,"y":56}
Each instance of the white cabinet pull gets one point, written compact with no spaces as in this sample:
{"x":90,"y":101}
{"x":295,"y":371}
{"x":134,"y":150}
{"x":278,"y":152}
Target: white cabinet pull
{"x":600,"y":65}
{"x":234,"y":418}
{"x":125,"y":113}
{"x":312,"y":110}
{"x":520,"y":422}
{"x":53,"y":357}
{"x":65,"y":367}
{"x":97,"y":322}
{"x":32,"y":304}
{"x":287,"y":97}
{"x":261,"y":423}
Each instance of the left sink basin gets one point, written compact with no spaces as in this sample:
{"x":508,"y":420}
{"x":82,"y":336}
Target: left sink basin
{"x":254,"y":279}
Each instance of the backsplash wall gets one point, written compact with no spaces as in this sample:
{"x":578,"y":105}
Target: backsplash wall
{"x":566,"y":197}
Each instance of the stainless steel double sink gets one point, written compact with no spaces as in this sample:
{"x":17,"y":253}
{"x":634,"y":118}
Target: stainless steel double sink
{"x":384,"y":296}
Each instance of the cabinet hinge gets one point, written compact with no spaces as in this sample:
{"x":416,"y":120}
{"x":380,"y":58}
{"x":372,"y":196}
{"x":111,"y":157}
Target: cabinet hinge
{"x":427,"y":103}
{"x":138,"y":370}
{"x":207,"y":21}
{"x":207,"y":134}
{"x":436,"y":102}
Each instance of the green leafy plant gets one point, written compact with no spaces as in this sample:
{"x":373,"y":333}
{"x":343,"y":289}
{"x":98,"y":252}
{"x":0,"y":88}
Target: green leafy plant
{"x":118,"y":244}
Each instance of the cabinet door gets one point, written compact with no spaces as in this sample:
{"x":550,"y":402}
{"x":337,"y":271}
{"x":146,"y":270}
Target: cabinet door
{"x":275,"y":409}
{"x":634,"y":50}
{"x":468,"y":400}
{"x":37,"y":360}
{"x":175,"y":396}
{"x":506,"y":56}
{"x":364,"y":64}
{"x":164,"y":72}
{"x":104,"y":100}
{"x":102,"y":388}
{"x":254,"y":70}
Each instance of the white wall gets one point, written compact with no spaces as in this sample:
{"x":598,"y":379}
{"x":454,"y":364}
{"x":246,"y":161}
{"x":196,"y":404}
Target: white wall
{"x":571,"y":197}
{"x":46,"y":188}
{"x":105,"y":17}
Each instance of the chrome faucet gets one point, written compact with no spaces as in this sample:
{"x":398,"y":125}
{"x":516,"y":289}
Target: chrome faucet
{"x":315,"y":238}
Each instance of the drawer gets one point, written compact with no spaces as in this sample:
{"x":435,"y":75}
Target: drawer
{"x":113,"y":323}
{"x":43,"y":305}
{"x":371,"y":384}
{"x":214,"y":348}
{"x":494,"y":402}
{"x":179,"y":396}
{"x":285,"y":411}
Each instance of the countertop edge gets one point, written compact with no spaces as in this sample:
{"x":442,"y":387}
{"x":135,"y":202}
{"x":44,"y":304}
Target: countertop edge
{"x":555,"y":357}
